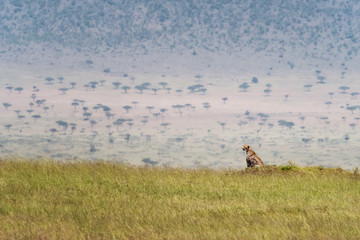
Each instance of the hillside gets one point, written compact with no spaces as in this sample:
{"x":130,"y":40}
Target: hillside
{"x":324,"y":29}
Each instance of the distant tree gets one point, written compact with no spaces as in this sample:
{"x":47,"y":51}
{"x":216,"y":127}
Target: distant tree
{"x":30,"y":111}
{"x":87,"y":86}
{"x":165,"y":125}
{"x":188,"y":106}
{"x":102,"y":82}
{"x":202,"y":91}
{"x":254,"y":80}
{"x":144,"y":121}
{"x":127,"y":138}
{"x":49,"y":80}
{"x":308,"y":86}
{"x":268,"y":85}
{"x":342,"y":74}
{"x":125,"y":88}
{"x":92,"y":148}
{"x":267,"y":92}
{"x":287,"y":124}
{"x":352,"y":108}
{"x":93,"y":84}
{"x":163,"y":84}
{"x":354,"y":95}
{"x":127,"y":108}
{"x":40,"y":102}
{"x":224,"y":99}
{"x":61,"y":79}
{"x":244,"y":87}
{"x":146,"y":84}
{"x":109,"y":115}
{"x":135,"y":103}
{"x":97,"y":107}
{"x":85,"y":109}
{"x":33,"y":96}
{"x":119,"y":122}
{"x":150,"y":108}
{"x":195,"y":88}
{"x":141,"y":88}
{"x":306,"y":140}
{"x":331,"y":94}
{"x":75,"y":104}
{"x":251,"y":119}
{"x":222,"y":124}
{"x":198,"y":76}
{"x":87,"y":115}
{"x":178,"y":107}
{"x":36,"y":117}
{"x":63,"y":124}
{"x":10,"y":88}
{"x":92,"y":123}
{"x":53,"y":130}
{"x":106,"y":109}
{"x":156,"y":115}
{"x":206,"y":105}
{"x":179,"y":91}
{"x":130,"y":124}
{"x":19,"y":89}
{"x":168,"y":89}
{"x":73,"y":84}
{"x":241,"y":123}
{"x":116,"y":84}
{"x":328,"y":103}
{"x":344,"y":88}
{"x":7,"y":105}
{"x":150,"y":162}
{"x":286,"y":97}
{"x":107,"y":70}
{"x":8,"y":126}
{"x":132,"y":80}
{"x":17,"y":112}
{"x":154,"y":90}
{"x":64,"y":90}
{"x":321,"y":79}
{"x":263,"y":116}
{"x":73,"y":127}
{"x":81,"y":102}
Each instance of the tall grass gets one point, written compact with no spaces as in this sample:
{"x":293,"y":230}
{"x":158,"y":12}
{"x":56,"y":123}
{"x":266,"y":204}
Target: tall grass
{"x":50,"y":200}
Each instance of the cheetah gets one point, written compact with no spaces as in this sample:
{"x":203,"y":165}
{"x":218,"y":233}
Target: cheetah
{"x":252,"y":160}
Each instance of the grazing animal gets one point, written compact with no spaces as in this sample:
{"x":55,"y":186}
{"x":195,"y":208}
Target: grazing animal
{"x":252,"y":160}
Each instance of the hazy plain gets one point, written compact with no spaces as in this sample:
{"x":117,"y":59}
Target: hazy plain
{"x":179,"y":127}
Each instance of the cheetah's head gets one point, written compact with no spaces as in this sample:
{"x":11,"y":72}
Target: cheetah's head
{"x":246,"y":148}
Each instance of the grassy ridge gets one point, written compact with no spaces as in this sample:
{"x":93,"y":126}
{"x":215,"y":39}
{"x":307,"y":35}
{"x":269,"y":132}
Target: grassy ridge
{"x":102,"y":200}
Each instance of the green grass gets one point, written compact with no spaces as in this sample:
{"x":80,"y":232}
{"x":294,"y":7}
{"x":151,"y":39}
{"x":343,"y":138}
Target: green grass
{"x":101,"y":200}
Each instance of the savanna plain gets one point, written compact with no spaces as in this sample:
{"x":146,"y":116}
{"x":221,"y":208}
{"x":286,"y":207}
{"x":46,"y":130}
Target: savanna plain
{"x":46,"y":199}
